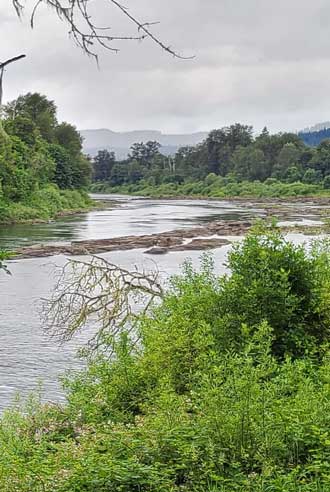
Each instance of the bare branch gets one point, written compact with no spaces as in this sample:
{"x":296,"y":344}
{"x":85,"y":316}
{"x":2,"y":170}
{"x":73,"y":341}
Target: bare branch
{"x":144,"y":27}
{"x":2,"y":71}
{"x":102,"y":295}
{"x":11,"y":60}
{"x":84,"y":31}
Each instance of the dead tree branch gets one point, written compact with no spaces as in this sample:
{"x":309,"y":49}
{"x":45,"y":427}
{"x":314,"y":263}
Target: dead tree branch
{"x":2,"y":71}
{"x":101,"y":296}
{"x":84,"y":31}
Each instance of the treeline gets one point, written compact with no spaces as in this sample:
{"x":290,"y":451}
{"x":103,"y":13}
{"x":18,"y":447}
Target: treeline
{"x":232,"y":153}
{"x":38,"y":153}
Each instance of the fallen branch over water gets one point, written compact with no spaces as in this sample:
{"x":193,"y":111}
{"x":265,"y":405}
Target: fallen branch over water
{"x":100,"y":293}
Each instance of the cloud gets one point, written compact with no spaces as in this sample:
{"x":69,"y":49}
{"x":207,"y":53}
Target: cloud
{"x":257,"y":61}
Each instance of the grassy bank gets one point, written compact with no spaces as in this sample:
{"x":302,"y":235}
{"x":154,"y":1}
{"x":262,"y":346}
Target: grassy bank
{"x":44,"y":204}
{"x":226,"y":391}
{"x":217,"y":188}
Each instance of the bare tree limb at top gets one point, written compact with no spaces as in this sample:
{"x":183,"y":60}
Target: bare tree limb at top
{"x":2,"y":71}
{"x":84,"y":31}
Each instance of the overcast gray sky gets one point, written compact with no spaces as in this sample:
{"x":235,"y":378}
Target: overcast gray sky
{"x":261,"y":62}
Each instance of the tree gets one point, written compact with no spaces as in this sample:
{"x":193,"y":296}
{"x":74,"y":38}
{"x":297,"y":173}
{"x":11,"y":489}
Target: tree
{"x":36,"y":107}
{"x":312,"y":176}
{"x":68,"y":136}
{"x":39,"y":150}
{"x":250,"y":163}
{"x":78,"y":170}
{"x":288,"y":156}
{"x":103,"y":163}
{"x":144,"y":153}
{"x":218,"y":152}
{"x":191,"y":162}
{"x":118,"y":175}
{"x":22,"y":127}
{"x":135,"y":172}
{"x":81,"y":171}
{"x":83,"y":28}
{"x":222,"y":143}
{"x":63,"y":176}
{"x":293,"y":174}
{"x":321,"y":159}
{"x":271,"y":145}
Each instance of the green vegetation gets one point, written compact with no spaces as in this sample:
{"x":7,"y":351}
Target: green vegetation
{"x":41,"y":162}
{"x":226,"y":390}
{"x":4,"y":255}
{"x":217,"y":187}
{"x":230,"y":162}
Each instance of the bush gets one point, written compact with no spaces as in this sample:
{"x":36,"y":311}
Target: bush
{"x":44,"y":204}
{"x":272,"y":280}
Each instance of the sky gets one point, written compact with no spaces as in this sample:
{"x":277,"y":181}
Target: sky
{"x":258,"y":62}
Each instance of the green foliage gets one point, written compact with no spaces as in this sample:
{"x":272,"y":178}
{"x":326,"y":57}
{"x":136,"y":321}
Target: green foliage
{"x":272,"y":280}
{"x":222,"y":188}
{"x":312,"y":176}
{"x":102,"y":165}
{"x":249,"y":163}
{"x":36,"y":152}
{"x":44,"y":204}
{"x":227,"y":389}
{"x":4,"y":255}
{"x":37,"y":109}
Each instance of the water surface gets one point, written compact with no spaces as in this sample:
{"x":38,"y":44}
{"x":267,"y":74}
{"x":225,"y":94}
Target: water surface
{"x":127,"y":216}
{"x":28,"y":356}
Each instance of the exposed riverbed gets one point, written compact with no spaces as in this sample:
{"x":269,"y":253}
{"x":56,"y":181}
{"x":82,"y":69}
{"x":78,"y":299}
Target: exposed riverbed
{"x":27,"y":354}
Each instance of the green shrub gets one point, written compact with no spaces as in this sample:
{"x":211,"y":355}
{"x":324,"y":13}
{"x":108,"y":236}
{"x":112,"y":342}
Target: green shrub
{"x":44,"y":204}
{"x":272,"y":280}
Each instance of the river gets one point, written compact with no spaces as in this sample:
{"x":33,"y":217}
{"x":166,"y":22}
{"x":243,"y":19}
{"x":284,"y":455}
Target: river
{"x":29,"y":358}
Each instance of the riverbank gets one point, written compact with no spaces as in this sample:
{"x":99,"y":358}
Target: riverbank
{"x":219,"y":188}
{"x":44,"y":205}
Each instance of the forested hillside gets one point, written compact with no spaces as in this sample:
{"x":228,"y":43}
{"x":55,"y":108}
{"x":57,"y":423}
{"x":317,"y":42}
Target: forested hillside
{"x":314,"y":138}
{"x":41,"y":162}
{"x":227,"y":157}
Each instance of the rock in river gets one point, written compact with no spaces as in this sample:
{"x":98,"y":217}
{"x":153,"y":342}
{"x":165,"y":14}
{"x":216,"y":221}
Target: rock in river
{"x":156,"y":250}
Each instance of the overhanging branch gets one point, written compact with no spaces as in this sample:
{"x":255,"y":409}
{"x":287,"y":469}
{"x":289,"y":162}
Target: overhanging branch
{"x":84,"y":30}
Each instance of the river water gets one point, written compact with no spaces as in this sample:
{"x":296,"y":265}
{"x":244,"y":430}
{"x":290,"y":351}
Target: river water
{"x":30,"y":359}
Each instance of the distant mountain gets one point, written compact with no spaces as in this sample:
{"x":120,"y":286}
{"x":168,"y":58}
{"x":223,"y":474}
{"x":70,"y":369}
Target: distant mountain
{"x":316,"y":128}
{"x":120,"y":142}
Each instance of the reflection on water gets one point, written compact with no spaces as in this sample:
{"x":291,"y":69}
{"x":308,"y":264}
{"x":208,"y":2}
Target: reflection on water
{"x":24,"y":235}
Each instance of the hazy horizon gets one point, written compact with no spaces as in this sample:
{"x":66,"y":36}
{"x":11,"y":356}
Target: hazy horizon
{"x":252,"y":66}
